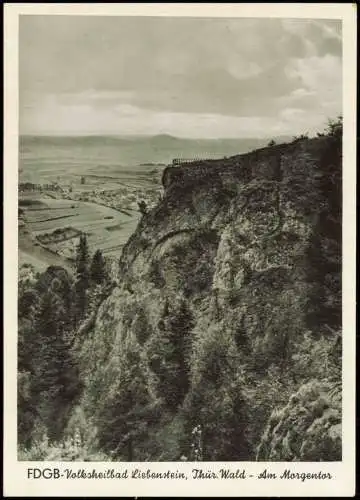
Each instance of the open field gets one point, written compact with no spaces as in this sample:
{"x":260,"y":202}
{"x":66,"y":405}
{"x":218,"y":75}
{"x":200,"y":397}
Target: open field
{"x":57,"y":224}
{"x":33,"y":253}
{"x":84,"y":216}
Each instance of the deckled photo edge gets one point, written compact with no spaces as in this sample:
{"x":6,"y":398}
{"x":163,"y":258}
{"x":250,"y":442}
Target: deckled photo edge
{"x":15,"y":480}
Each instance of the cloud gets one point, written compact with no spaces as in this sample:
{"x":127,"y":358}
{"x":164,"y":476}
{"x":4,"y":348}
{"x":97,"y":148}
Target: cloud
{"x":79,"y":68}
{"x":77,"y":115}
{"x":320,"y":84}
{"x":315,"y":71}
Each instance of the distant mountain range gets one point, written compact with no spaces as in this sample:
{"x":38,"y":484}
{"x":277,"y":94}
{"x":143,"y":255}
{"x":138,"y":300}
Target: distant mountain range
{"x":48,"y":152}
{"x":160,"y":138}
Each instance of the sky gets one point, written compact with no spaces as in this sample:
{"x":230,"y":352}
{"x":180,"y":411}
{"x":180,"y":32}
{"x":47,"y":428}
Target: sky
{"x":187,"y":77}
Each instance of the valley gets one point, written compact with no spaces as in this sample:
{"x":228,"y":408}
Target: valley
{"x":97,"y":186}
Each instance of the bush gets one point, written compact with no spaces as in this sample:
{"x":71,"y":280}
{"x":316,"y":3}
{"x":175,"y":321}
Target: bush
{"x":300,"y":137}
{"x":335,"y":127}
{"x":317,"y":358}
{"x":69,"y":449}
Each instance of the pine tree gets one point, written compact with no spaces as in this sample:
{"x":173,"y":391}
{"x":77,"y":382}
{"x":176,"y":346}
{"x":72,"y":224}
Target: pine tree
{"x":169,"y":354}
{"x":126,"y":413}
{"x":98,"y":273}
{"x":82,"y":279}
{"x":82,"y":257}
{"x":45,"y":307}
{"x":28,"y":300}
{"x":215,"y":399}
{"x":55,"y":376}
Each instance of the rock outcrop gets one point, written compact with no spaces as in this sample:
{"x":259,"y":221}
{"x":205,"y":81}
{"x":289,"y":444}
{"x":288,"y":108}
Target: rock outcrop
{"x":253,"y":240}
{"x":307,"y":429}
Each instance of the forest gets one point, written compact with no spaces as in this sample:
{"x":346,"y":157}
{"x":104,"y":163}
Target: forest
{"x":221,"y":339}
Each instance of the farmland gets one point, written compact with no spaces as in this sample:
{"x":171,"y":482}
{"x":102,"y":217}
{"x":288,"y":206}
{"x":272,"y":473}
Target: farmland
{"x":56,"y":224}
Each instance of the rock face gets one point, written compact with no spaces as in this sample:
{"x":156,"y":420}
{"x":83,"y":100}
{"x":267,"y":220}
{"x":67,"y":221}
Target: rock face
{"x":307,"y":429}
{"x":266,"y":220}
{"x":252,"y":240}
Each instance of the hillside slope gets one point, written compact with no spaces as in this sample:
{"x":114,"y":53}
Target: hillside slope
{"x":229,"y":302}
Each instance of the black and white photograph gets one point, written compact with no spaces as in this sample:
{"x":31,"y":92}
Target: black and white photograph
{"x":180,"y":250}
{"x":179,"y":239}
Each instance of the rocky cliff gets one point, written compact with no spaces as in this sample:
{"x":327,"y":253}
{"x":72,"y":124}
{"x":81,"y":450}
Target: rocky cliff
{"x":227,"y":289}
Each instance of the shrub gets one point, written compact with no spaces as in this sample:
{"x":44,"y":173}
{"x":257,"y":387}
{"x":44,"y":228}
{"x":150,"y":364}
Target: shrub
{"x":68,"y":449}
{"x":335,"y":127}
{"x":300,"y":137}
